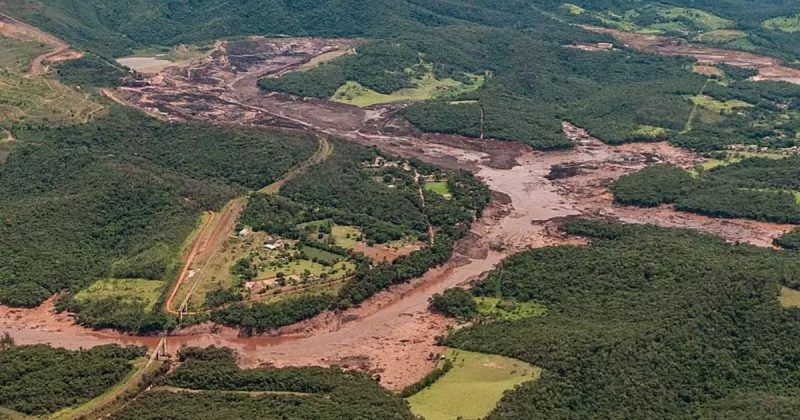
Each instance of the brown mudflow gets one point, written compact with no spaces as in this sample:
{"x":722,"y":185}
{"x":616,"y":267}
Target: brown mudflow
{"x":393,"y":333}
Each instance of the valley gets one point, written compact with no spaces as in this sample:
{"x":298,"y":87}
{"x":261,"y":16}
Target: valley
{"x":248,"y":242}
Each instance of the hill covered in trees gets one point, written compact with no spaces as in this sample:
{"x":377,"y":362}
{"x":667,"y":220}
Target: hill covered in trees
{"x":118,"y":196}
{"x":208,"y":384}
{"x":646,"y":322}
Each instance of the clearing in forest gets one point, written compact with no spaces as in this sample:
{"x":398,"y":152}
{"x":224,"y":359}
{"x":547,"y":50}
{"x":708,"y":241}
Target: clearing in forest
{"x":144,"y":292}
{"x":426,"y":87}
{"x":789,"y":298}
{"x":472,"y":388}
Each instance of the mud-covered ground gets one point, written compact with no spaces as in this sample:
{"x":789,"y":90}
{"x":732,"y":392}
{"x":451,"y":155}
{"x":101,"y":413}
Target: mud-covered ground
{"x":769,"y":68}
{"x":393,"y":334}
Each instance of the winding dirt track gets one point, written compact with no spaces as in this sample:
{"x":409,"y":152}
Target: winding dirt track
{"x":392,"y":334}
{"x":61,"y":51}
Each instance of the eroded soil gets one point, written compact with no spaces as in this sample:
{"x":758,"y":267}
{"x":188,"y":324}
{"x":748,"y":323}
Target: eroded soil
{"x":393,"y":334}
{"x":769,"y":68}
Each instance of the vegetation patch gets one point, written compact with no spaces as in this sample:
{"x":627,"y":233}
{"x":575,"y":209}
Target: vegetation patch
{"x":472,"y":387}
{"x":139,"y":291}
{"x":209,"y":384}
{"x":424,"y":88}
{"x":719,"y":106}
{"x":508,"y":310}
{"x":720,"y":36}
{"x":439,"y":187}
{"x":789,"y":298}
{"x":784,"y":23}
{"x":631,"y":319}
{"x":38,"y":380}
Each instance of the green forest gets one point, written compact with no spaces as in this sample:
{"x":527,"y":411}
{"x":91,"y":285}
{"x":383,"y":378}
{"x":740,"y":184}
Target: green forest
{"x":39,"y":379}
{"x":208,"y":384}
{"x":754,"y":188}
{"x":116,"y":198}
{"x":646,"y":322}
{"x":532,"y":81}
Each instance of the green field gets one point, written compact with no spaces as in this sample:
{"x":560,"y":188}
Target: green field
{"x":426,"y":87}
{"x":721,"y":36}
{"x":472,"y":388}
{"x":783,"y":23}
{"x":342,"y":236}
{"x":735,"y":157}
{"x":719,"y":106}
{"x":320,"y":254}
{"x":508,"y":310}
{"x":130,"y":290}
{"x":17,"y":55}
{"x":439,"y":187}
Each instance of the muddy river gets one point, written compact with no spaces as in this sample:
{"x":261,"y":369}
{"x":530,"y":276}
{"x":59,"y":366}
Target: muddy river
{"x":392,"y":334}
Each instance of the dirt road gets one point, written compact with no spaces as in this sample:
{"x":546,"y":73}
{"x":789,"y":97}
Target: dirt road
{"x":393,"y":334}
{"x":61,"y":51}
{"x":769,"y":68}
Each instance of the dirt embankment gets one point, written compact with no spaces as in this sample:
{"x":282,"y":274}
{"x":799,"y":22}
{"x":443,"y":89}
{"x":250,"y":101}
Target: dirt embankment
{"x":61,"y":51}
{"x":769,"y":68}
{"x":393,"y":334}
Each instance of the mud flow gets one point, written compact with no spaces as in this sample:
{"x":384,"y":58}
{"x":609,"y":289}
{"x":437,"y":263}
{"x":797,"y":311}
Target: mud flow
{"x":393,"y":334}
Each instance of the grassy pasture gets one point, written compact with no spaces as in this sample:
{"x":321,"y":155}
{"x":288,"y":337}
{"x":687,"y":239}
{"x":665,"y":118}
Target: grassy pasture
{"x":783,"y":23}
{"x":721,"y":36}
{"x":719,"y":106}
{"x":472,"y":388}
{"x":427,"y":87}
{"x":34,"y":98}
{"x":789,"y":298}
{"x":439,"y":187}
{"x":507,"y":310}
{"x":130,"y":290}
{"x":342,"y":236}
{"x":699,"y":17}
{"x":17,"y":55}
{"x":734,"y":157}
{"x":320,"y":254}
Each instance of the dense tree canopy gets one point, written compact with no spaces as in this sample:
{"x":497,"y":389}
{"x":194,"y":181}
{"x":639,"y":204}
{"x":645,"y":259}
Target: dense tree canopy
{"x":647,"y":322}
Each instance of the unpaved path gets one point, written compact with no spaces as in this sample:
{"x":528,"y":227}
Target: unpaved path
{"x":393,"y":334}
{"x":19,"y":30}
{"x":769,"y":68}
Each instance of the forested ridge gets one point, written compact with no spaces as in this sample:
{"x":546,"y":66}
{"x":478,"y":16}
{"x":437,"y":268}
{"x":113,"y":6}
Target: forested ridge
{"x":118,"y":196}
{"x":39,"y":379}
{"x":754,"y":188}
{"x":646,"y":322}
{"x":308,"y":392}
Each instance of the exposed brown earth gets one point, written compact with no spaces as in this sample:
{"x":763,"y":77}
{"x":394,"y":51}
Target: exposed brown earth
{"x":769,"y":68}
{"x":392,"y":334}
{"x":15,"y":29}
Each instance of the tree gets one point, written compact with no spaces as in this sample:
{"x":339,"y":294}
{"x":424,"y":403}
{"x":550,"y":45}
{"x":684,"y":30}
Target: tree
{"x":7,"y":341}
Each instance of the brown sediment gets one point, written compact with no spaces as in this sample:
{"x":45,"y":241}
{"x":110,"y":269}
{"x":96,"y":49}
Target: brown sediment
{"x":393,"y":334}
{"x":769,"y":68}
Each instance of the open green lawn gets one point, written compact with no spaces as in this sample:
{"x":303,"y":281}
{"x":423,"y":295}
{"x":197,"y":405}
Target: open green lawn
{"x":719,"y":106}
{"x":439,"y":187}
{"x":320,"y":254}
{"x":427,"y":87}
{"x":472,"y":388}
{"x":147,"y":291}
{"x":508,"y":310}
